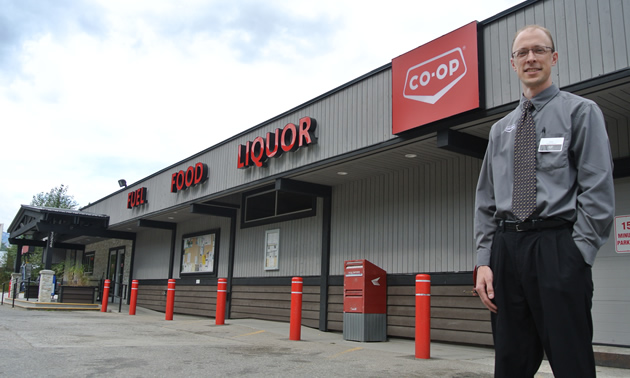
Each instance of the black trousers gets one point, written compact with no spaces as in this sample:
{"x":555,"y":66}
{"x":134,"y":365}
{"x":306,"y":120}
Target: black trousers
{"x":543,"y":291}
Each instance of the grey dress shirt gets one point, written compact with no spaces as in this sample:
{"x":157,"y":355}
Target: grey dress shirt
{"x":573,"y":171}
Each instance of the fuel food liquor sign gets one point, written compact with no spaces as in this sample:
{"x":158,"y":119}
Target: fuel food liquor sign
{"x":436,"y":80}
{"x":274,"y":144}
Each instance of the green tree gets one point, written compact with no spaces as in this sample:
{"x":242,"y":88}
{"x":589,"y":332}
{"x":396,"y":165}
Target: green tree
{"x":57,"y":197}
{"x":6,"y":264}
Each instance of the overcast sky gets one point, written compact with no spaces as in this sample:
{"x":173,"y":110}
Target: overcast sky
{"x":94,"y":91}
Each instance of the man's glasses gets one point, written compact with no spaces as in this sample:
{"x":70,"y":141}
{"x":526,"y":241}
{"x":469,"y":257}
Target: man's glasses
{"x":538,"y":51}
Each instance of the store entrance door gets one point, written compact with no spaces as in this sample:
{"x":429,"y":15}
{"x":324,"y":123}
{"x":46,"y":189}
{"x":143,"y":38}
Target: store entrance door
{"x":115,"y":272}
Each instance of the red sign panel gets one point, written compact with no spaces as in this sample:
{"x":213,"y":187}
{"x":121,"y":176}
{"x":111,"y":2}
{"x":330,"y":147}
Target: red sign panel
{"x":436,"y":80}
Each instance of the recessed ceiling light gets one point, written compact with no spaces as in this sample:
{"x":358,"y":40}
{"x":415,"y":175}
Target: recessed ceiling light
{"x":171,"y":217}
{"x":411,"y":156}
{"x":129,"y":228}
{"x":342,"y":173}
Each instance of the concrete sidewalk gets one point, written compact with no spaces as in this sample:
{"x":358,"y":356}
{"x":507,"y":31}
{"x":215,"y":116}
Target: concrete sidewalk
{"x":439,"y":351}
{"x":56,"y":344}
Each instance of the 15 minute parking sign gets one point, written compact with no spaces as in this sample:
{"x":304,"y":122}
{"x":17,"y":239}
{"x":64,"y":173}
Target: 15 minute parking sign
{"x":622,"y":234}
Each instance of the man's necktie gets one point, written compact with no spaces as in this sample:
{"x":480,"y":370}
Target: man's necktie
{"x":524,"y":195}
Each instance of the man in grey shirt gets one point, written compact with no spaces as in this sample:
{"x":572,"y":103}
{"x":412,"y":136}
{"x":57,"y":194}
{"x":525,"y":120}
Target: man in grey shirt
{"x":534,"y":274}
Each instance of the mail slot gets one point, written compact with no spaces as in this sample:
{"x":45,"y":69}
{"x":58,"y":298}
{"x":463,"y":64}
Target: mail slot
{"x":364,"y":301}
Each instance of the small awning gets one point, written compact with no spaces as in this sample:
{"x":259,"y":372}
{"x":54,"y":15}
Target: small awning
{"x":33,"y":226}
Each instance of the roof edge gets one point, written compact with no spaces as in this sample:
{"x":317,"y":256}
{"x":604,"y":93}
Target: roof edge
{"x":378,"y":70}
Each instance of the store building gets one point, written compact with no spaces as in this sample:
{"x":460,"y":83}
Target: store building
{"x":383,"y":168}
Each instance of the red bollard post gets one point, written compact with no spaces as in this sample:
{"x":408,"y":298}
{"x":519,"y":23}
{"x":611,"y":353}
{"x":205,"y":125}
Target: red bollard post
{"x":296,"y":309}
{"x":105,"y":296}
{"x":134,"y":297}
{"x":170,"y":299}
{"x":219,"y":318}
{"x":423,"y":316}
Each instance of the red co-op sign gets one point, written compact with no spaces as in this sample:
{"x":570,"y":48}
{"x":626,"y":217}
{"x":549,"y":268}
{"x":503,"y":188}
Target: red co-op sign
{"x":436,"y":80}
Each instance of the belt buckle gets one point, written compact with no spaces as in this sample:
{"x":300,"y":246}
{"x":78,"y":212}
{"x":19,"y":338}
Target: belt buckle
{"x":518,"y":228}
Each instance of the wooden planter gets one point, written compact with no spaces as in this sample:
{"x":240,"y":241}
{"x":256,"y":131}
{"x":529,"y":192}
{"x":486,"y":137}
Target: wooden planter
{"x":77,"y":294}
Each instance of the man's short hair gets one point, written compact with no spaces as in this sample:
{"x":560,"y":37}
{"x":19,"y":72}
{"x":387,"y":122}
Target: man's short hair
{"x":544,"y":29}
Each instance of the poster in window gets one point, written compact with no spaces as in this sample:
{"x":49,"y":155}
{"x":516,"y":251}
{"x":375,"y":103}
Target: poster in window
{"x":199,"y":252}
{"x":272,"y":244}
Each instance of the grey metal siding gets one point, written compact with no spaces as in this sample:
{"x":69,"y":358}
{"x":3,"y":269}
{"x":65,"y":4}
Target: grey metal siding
{"x":409,"y":221}
{"x":353,"y":118}
{"x":153,"y":248}
{"x":152,"y":254}
{"x":299,"y":251}
{"x":583,"y":35}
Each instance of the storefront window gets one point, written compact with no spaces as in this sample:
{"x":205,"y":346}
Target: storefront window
{"x":268,"y":206}
{"x":88,"y":262}
{"x":260,"y":206}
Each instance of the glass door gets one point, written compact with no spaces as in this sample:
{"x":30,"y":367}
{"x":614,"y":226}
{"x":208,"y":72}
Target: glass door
{"x":115,"y":272}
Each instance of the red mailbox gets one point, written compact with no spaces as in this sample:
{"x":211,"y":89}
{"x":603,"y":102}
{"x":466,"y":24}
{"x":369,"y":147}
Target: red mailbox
{"x":364,"y":288}
{"x":364,"y":301}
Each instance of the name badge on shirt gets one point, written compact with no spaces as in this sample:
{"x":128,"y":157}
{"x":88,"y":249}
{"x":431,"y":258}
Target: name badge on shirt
{"x":551,"y":144}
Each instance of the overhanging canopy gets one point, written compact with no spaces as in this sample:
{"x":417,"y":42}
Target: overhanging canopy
{"x":33,"y":225}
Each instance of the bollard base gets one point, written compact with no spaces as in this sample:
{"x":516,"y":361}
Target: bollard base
{"x":364,"y":327}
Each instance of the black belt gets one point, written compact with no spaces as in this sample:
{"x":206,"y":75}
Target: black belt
{"x":531,"y":225}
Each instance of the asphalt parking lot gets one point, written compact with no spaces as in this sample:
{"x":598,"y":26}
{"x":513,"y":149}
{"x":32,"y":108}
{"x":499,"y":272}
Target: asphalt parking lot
{"x":96,"y":344}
